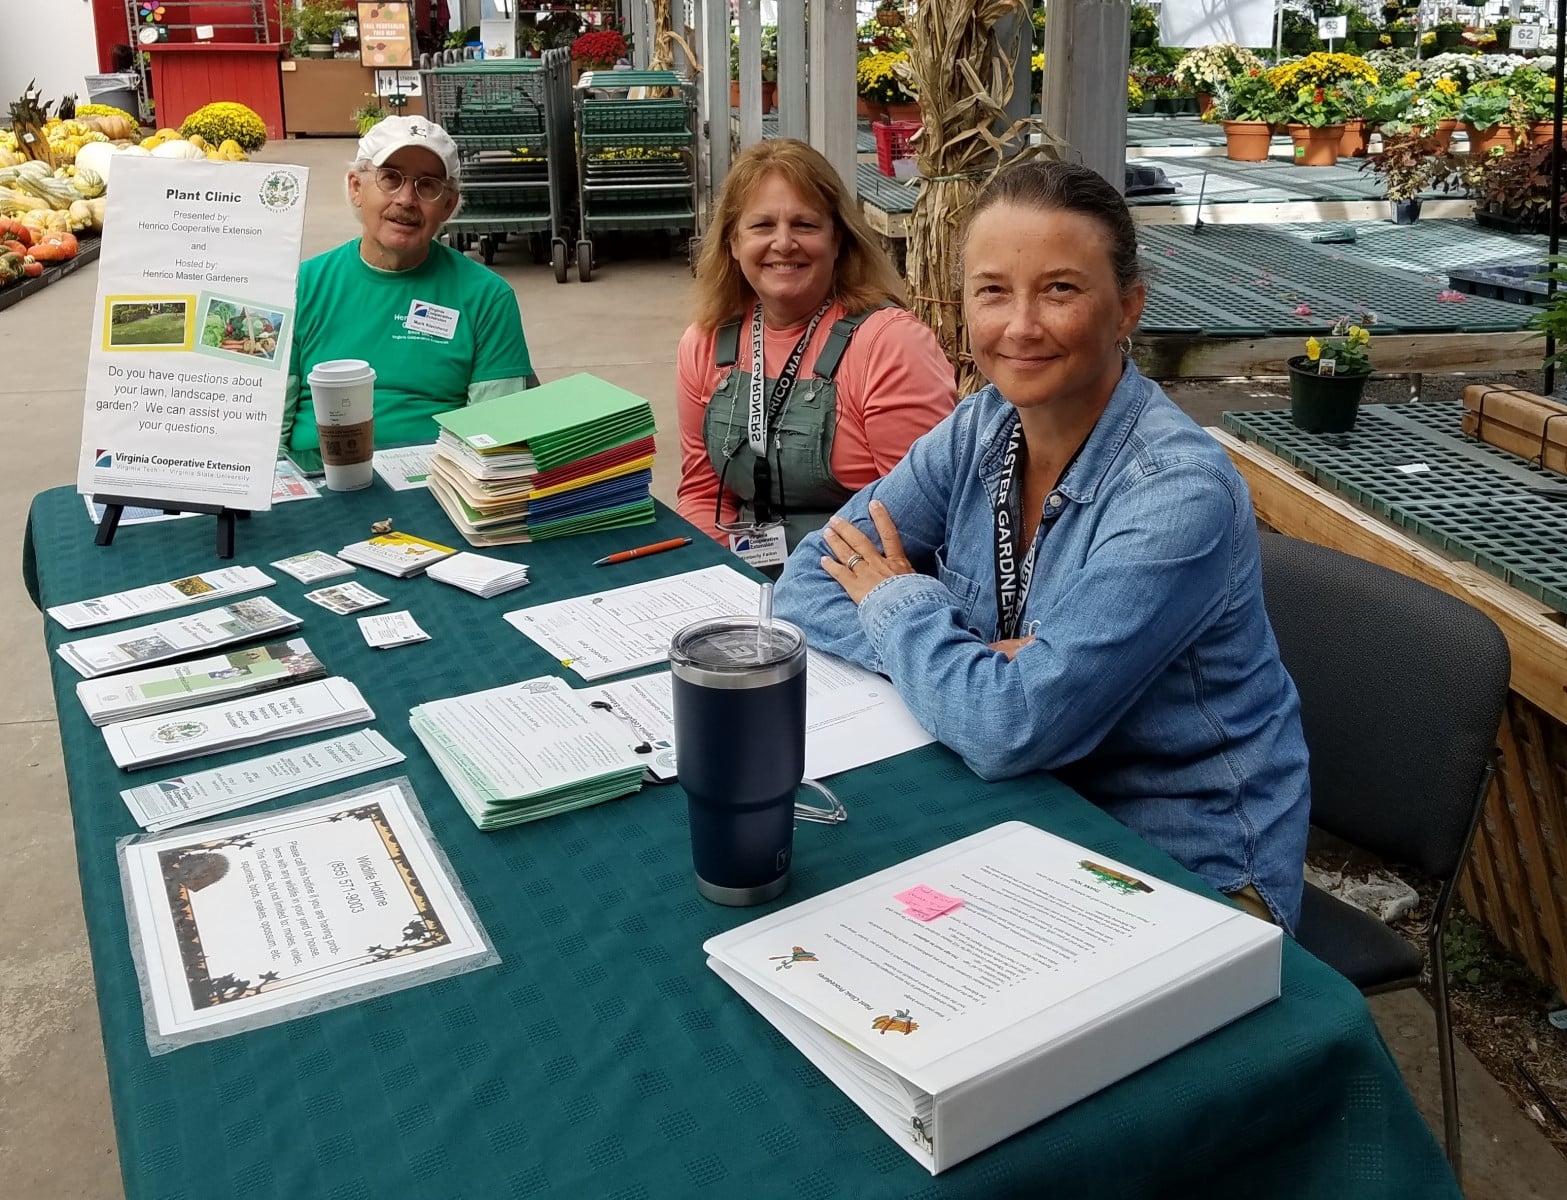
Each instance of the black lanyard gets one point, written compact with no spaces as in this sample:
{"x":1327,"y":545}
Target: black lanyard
{"x":1012,"y":576}
{"x":761,"y":418}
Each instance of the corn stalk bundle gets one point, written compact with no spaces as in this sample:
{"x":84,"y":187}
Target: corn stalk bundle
{"x":665,"y":39}
{"x":963,"y":74}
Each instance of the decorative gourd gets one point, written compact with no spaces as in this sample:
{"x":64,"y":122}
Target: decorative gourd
{"x":95,"y":157}
{"x":178,"y":148}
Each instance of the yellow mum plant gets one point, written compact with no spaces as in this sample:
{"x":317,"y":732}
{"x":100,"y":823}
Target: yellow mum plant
{"x":226,"y":121}
{"x":1320,"y":70}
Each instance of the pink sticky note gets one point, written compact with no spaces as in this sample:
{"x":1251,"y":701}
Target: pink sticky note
{"x":925,"y":903}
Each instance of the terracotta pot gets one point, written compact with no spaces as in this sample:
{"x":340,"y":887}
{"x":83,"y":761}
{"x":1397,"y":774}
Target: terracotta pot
{"x":1439,"y":139}
{"x":734,"y":93}
{"x":1541,"y":132}
{"x":1352,"y":143}
{"x":903,"y":112}
{"x":769,"y":96}
{"x":1498,"y":139}
{"x":1247,"y":141}
{"x":1204,"y":102}
{"x":1316,"y":146}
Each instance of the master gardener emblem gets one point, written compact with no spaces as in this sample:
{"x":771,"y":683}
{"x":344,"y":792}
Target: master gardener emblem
{"x":180,"y":731}
{"x":280,"y":191}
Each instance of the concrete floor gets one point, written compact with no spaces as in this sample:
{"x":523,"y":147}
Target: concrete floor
{"x":56,"y":1132}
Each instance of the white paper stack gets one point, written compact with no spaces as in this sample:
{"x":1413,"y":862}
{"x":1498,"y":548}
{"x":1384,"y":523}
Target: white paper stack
{"x":527,"y":750}
{"x":177,"y":637}
{"x":480,"y":574}
{"x":172,"y":737}
{"x":398,"y":554}
{"x":176,"y":685}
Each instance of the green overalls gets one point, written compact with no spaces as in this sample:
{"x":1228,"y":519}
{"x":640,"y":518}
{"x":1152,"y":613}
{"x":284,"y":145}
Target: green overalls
{"x":804,"y":491}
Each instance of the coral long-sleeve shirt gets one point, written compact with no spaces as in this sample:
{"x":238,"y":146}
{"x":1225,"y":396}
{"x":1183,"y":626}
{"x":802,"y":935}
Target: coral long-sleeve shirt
{"x":893,"y":385}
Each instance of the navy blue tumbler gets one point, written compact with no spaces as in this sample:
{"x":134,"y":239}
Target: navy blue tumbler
{"x":739,"y":697}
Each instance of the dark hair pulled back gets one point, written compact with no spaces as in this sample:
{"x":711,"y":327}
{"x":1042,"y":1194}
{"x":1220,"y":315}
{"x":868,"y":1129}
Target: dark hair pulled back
{"x":1049,"y":185}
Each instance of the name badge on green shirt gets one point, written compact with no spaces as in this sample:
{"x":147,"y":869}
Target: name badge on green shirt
{"x":434,"y":319}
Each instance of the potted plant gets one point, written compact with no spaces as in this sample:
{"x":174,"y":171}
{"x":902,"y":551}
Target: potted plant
{"x":597,"y":51}
{"x":1435,"y":112}
{"x":366,"y":116}
{"x":1327,"y":381}
{"x":1364,"y":33}
{"x":770,"y":65}
{"x":1359,"y":98}
{"x":1316,"y":124}
{"x":314,"y":24}
{"x":1484,"y":111}
{"x":530,"y":40}
{"x":1144,"y":26}
{"x":1532,"y":104}
{"x":1300,"y":31}
{"x":1504,"y":34}
{"x":1248,"y":107}
{"x":1447,"y":34}
{"x":1204,"y":70}
{"x":889,"y":14}
{"x":1512,"y":192}
{"x":1134,"y":90}
{"x":882,"y":80}
{"x":1400,"y":33}
{"x":1408,"y":166}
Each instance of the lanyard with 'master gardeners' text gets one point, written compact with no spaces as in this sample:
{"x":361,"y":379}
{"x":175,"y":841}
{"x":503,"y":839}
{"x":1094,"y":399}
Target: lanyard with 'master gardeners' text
{"x":1012,"y":577}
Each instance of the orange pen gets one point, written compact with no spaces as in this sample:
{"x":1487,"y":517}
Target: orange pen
{"x":621,"y":556}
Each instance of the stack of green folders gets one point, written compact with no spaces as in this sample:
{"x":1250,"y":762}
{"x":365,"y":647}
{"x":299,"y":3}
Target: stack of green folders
{"x":573,"y":456}
{"x":527,"y":750}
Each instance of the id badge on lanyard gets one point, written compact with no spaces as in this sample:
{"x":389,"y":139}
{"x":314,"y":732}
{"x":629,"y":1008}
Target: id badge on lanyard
{"x":761,"y":545}
{"x":1014,"y":564}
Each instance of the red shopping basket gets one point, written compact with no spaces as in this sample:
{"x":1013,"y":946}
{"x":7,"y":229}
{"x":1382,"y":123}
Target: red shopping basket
{"x":893,"y":142}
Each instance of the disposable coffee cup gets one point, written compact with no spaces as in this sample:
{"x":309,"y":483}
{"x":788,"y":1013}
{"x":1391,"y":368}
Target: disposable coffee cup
{"x":343,"y":392}
{"x":739,"y":700}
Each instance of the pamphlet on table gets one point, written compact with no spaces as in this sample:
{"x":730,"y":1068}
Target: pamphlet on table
{"x":192,"y":331}
{"x":204,"y":794}
{"x":607,"y":633}
{"x":313,"y":566}
{"x":386,"y":630}
{"x":290,"y":483}
{"x":403,"y":468}
{"x":345,"y":598}
{"x":852,"y":717}
{"x":527,"y":750}
{"x":178,"y":685}
{"x":233,"y":724}
{"x":400,"y":555}
{"x":259,"y":918}
{"x":177,"y":637}
{"x":138,"y":602}
{"x":965,"y":994}
{"x":480,"y":574}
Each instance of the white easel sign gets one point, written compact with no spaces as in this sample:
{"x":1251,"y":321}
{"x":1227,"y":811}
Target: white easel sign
{"x":192,"y":330}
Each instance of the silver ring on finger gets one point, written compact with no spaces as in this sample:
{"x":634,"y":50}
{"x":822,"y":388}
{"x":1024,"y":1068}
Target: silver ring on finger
{"x":854,"y":561}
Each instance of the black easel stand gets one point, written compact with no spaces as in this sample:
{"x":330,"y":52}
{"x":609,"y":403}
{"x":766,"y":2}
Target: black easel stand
{"x":114,"y":507}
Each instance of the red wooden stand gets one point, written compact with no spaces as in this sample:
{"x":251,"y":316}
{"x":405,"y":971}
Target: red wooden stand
{"x":187,"y":75}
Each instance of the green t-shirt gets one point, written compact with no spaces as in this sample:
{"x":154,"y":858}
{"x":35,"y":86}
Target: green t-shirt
{"x":348,"y":309}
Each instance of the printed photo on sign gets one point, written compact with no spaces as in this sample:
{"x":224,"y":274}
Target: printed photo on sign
{"x":241,"y":330}
{"x":148,"y":322}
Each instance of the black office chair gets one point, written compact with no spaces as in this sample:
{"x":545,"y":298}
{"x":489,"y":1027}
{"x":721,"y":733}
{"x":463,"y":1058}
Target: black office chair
{"x":1401,"y":691}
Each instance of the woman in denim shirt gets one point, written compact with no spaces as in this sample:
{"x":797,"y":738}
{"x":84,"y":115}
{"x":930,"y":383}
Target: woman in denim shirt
{"x":1064,"y":574}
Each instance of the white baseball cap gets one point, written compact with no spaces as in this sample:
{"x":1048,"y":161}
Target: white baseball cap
{"x":388,"y":136}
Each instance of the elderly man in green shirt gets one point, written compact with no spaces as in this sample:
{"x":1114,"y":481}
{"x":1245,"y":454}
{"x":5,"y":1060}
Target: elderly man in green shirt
{"x":440,"y":329}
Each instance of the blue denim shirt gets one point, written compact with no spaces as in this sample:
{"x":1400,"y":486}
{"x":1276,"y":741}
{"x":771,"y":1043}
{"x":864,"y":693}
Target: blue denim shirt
{"x":1153,"y":685}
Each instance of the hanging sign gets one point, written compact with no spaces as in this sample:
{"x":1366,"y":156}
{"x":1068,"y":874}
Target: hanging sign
{"x":385,"y":35}
{"x":192,"y":330}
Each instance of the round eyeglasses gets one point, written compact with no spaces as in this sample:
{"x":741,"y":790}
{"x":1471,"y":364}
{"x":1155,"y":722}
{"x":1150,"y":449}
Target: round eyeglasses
{"x":428,"y":188}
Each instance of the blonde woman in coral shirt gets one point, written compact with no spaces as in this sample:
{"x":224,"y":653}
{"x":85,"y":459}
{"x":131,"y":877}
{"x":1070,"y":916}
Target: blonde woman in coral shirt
{"x":802,"y":378}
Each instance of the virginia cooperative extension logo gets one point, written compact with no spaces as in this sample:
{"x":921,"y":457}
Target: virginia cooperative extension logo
{"x":103,"y":459}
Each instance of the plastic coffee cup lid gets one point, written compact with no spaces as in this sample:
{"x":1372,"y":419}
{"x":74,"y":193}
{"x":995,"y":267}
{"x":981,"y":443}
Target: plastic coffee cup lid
{"x":341,"y":371}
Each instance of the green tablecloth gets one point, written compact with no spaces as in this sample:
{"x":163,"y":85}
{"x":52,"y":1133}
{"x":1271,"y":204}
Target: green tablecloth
{"x":602,"y":1058}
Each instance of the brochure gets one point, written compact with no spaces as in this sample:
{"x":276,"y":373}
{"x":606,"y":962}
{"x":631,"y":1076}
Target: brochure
{"x":313,"y":566}
{"x":147,"y":644}
{"x":176,"y":685}
{"x":345,"y":598}
{"x":192,"y":732}
{"x":398,"y":554}
{"x":195,"y":797}
{"x":404,"y":468}
{"x":138,"y":602}
{"x":385,"y":630}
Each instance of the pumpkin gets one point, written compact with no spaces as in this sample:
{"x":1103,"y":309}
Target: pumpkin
{"x":95,"y":157}
{"x":15,"y":231}
{"x":113,"y":128}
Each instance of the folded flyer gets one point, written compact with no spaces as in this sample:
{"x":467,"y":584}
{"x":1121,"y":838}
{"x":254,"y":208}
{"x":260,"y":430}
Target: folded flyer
{"x":192,"y":589}
{"x":177,"y":637}
{"x":176,"y":685}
